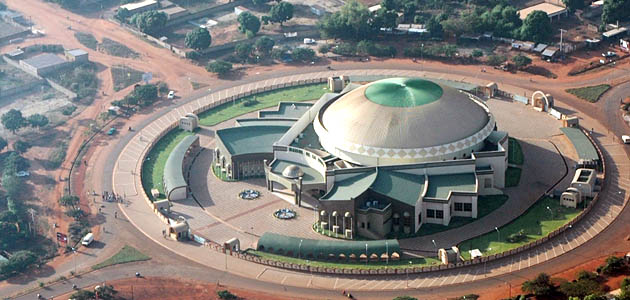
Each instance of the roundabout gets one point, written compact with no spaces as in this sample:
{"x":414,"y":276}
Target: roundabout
{"x":220,"y":219}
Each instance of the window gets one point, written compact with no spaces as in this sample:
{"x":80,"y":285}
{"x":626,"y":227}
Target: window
{"x":439,"y":214}
{"x":467,"y":206}
{"x":362,"y":224}
{"x":430,"y":213}
{"x":487,"y":183}
{"x":368,"y":225}
{"x":420,"y":218}
{"x":459,"y":206}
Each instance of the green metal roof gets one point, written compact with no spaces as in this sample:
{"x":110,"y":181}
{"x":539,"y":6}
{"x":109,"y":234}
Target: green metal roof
{"x":173,"y":176}
{"x":305,"y":248}
{"x":311,"y":176}
{"x":265,"y":122}
{"x":287,"y":110}
{"x":441,"y":185}
{"x":350,"y":187}
{"x":250,"y":139}
{"x":403,"y":92}
{"x":400,"y":186}
{"x":582,"y":144}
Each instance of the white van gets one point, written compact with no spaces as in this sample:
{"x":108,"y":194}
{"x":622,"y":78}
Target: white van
{"x":87,"y":239}
{"x":625,"y":139}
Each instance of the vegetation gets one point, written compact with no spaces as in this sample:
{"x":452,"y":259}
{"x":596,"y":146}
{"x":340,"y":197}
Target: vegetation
{"x":537,"y":222}
{"x":279,"y":13}
{"x":3,"y":144}
{"x":536,"y":27}
{"x":105,"y":292}
{"x":303,"y":54}
{"x":541,"y":286}
{"x":37,"y":120}
{"x":248,"y":24}
{"x":589,"y":93}
{"x":13,"y":120}
{"x":57,"y":156}
{"x":495,"y":60}
{"x":612,"y":266}
{"x":198,"y":39}
{"x":122,"y":15}
{"x":68,"y":110}
{"x":219,"y":67}
{"x":226,"y":295}
{"x":124,"y":76}
{"x":520,"y":61}
{"x":233,"y":109}
{"x":153,"y":167}
{"x":86,"y":39}
{"x":400,"y":264}
{"x":264,"y":45}
{"x":151,"y":22}
{"x":114,"y":48}
{"x":405,"y":298}
{"x":81,"y":80}
{"x":126,"y":255}
{"x":21,"y":146}
{"x":367,"y":47}
{"x":512,"y":176}
{"x":586,"y":284}
{"x":351,"y":22}
{"x":17,"y":263}
{"x":615,"y":10}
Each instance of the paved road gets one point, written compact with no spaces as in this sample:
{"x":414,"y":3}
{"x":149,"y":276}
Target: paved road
{"x":596,"y":249}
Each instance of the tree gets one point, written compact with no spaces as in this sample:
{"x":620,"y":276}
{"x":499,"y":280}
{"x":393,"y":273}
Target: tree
{"x":303,"y":54}
{"x":259,"y":2}
{"x":21,"y":146}
{"x":264,"y":45}
{"x":248,"y":23}
{"x":615,"y":10}
{"x":105,"y":292}
{"x":243,"y":51}
{"x":18,"y":262}
{"x":122,"y":15}
{"x":3,"y":6}
{"x":536,"y":27}
{"x":281,"y":13}
{"x":69,"y":200}
{"x":145,"y":93}
{"x":521,"y":60}
{"x":37,"y":120}
{"x":477,"y":53}
{"x":435,"y":27}
{"x":384,"y":19}
{"x":198,"y":39}
{"x":502,"y":20}
{"x":151,"y":22}
{"x":3,"y":143}
{"x":573,"y":5}
{"x":13,"y":120}
{"x":219,"y":67}
{"x":495,"y":60}
{"x":612,"y":266}
{"x":162,"y":87}
{"x":581,"y":288}
{"x":539,"y":286}
{"x":352,"y":21}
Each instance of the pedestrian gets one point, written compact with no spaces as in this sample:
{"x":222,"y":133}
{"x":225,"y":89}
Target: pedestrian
{"x":115,"y":215}
{"x":99,"y":210}
{"x":85,"y":162}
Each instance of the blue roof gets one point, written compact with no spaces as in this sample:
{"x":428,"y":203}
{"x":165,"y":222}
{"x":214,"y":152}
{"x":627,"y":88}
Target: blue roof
{"x":351,"y":187}
{"x":440,"y":186}
{"x":250,"y":139}
{"x":582,"y":144}
{"x":400,"y":186}
{"x":287,"y":110}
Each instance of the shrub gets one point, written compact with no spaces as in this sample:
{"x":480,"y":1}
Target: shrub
{"x":495,"y":60}
{"x":226,"y":295}
{"x":477,"y":53}
{"x":345,"y":49}
{"x":194,"y":55}
{"x":56,"y":157}
{"x":539,"y":286}
{"x":612,"y":266}
{"x":324,"y":48}
{"x":517,"y":237}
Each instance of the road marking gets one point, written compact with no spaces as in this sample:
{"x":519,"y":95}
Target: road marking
{"x":261,"y":272}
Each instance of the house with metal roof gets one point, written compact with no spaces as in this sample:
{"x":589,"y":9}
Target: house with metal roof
{"x":43,"y":64}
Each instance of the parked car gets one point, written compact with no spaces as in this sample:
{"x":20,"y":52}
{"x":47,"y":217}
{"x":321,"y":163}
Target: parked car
{"x":171,"y":95}
{"x":625,"y":139}
{"x":609,"y":54}
{"x":111,"y":131}
{"x":87,"y":239}
{"x":23,"y":174}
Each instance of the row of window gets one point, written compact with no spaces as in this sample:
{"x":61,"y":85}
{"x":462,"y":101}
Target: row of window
{"x":463,"y":206}
{"x":435,"y":213}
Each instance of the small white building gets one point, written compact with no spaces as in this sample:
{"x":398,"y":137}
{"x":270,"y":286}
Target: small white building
{"x":584,"y":181}
{"x":138,"y":7}
{"x":189,"y":122}
{"x":449,"y":256}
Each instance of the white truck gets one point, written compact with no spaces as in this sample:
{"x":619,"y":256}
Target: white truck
{"x":87,"y":239}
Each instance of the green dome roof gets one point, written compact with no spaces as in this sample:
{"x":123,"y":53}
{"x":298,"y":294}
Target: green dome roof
{"x":403,"y":92}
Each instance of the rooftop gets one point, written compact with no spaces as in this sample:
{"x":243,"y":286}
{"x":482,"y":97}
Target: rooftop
{"x":173,"y":176}
{"x":312,"y":248}
{"x":441,"y":185}
{"x":550,"y":9}
{"x":136,"y":5}
{"x":77,"y":52}
{"x":403,"y":92}
{"x":401,"y":186}
{"x":44,"y":60}
{"x":350,"y":187}
{"x":265,"y":122}
{"x":311,"y":176}
{"x":583,"y":146}
{"x":250,"y":139}
{"x":286,"y":110}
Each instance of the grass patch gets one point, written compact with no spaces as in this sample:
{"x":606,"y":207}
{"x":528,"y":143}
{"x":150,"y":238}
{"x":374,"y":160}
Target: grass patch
{"x":403,"y":263}
{"x":537,"y":222}
{"x":114,"y":48}
{"x":485,"y":205}
{"x":86,"y":39}
{"x":515,"y":154}
{"x":124,"y":76}
{"x":126,"y":255}
{"x":197,"y":85}
{"x":216,"y":170}
{"x":56,"y":157}
{"x":153,"y":167}
{"x":236,"y":108}
{"x":589,"y":93}
{"x":512,"y":176}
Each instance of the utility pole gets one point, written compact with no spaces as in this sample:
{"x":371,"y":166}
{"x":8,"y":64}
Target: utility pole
{"x":561,"y":49}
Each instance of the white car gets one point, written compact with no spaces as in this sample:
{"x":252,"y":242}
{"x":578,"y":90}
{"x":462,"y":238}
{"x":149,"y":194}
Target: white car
{"x":171,"y":95}
{"x":23,"y":174}
{"x":625,"y":139}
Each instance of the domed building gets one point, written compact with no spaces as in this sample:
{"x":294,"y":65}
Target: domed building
{"x":388,"y":156}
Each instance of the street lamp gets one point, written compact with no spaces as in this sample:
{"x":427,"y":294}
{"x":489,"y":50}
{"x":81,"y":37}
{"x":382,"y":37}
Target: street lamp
{"x":434,"y":244}
{"x":498,"y":233}
{"x":300,"y":249}
{"x":366,"y":255}
{"x":550,"y":211}
{"x":408,"y":274}
{"x":74,"y":256}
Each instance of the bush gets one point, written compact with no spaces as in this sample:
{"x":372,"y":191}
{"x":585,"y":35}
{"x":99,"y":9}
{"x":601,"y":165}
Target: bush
{"x":226,"y":295}
{"x":612,"y":266}
{"x":21,"y":146}
{"x":194,"y":55}
{"x":495,"y":60}
{"x":539,"y":286}
{"x":303,"y":54}
{"x":517,"y":237}
{"x":68,"y":110}
{"x":345,"y":49}
{"x":219,"y":67}
{"x":324,"y":48}
{"x":477,"y":53}
{"x":57,"y":156}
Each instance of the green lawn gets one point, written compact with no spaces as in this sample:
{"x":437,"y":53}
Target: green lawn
{"x":124,"y":76}
{"x":515,"y":153}
{"x":512,"y":176}
{"x":126,"y":255}
{"x":153,"y":167}
{"x":236,"y":108}
{"x":403,"y":263}
{"x":537,"y":222}
{"x":589,"y":93}
{"x":485,"y":204}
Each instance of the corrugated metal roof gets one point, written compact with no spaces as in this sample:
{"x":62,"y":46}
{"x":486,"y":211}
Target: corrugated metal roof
{"x":401,"y":186}
{"x":441,"y":185}
{"x":582,"y":144}
{"x":250,"y":139}
{"x":44,"y":60}
{"x":350,"y":187}
{"x":305,"y":248}
{"x":173,"y":176}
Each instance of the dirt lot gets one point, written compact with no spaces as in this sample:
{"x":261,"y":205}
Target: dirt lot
{"x":176,"y":289}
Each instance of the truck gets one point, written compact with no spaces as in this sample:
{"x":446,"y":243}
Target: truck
{"x":87,"y":239}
